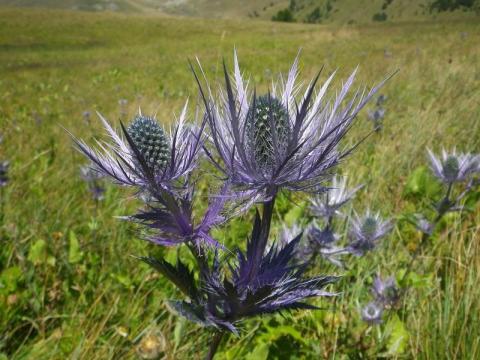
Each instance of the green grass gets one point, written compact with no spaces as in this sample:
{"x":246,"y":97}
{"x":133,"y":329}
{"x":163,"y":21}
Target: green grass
{"x":61,"y":301}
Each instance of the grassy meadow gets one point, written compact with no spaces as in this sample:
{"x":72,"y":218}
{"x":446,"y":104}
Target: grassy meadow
{"x":69,"y":287}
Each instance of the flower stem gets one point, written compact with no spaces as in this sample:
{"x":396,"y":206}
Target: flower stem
{"x":445,"y":205}
{"x":266,"y":221}
{"x":217,"y":339}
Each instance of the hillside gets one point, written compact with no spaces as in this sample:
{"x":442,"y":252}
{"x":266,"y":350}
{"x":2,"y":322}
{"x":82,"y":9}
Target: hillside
{"x":313,"y":11}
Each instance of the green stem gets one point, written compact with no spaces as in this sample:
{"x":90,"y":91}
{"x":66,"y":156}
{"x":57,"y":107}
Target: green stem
{"x":443,"y":209}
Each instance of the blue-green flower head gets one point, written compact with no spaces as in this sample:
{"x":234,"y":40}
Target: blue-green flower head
{"x":267,"y":130}
{"x":453,"y":167}
{"x":151,"y":141}
{"x":287,"y":139}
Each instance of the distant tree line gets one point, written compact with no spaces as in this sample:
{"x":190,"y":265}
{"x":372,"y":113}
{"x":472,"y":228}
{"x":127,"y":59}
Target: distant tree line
{"x":323,"y":9}
{"x":450,"y":5}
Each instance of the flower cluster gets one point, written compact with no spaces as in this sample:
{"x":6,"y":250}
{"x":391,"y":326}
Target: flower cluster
{"x":285,"y":139}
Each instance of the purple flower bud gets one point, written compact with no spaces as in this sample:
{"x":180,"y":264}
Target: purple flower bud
{"x":372,"y":313}
{"x":366,"y":231}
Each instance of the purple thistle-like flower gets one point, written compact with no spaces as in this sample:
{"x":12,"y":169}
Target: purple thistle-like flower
{"x":381,"y":99}
{"x":372,"y":313}
{"x":385,"y":291}
{"x":328,"y":204}
{"x":324,"y":243}
{"x":280,"y":139}
{"x":376,"y":115}
{"x":146,"y":156}
{"x":4,"y":165}
{"x":423,"y":224}
{"x":453,"y":167}
{"x":366,"y":231}
{"x":275,"y":283}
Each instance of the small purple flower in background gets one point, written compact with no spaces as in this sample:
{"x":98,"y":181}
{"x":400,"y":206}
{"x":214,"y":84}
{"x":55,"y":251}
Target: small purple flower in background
{"x":366,"y":231}
{"x":282,"y":139}
{"x":93,"y":179}
{"x":86,"y":117}
{"x":4,"y":165}
{"x":385,"y":291}
{"x":453,"y":167}
{"x":328,"y":204}
{"x":381,"y":99}
{"x":377,"y":114}
{"x":323,"y":242}
{"x":372,"y":313}
{"x":423,"y":224}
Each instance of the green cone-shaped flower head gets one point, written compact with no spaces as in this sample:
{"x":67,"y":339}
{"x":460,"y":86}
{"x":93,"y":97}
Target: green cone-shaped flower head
{"x":369,"y":227}
{"x":267,"y":130}
{"x":451,"y":167}
{"x":151,"y":141}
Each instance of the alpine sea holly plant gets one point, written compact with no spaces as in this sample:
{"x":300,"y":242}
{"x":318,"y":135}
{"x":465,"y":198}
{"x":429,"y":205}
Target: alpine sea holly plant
{"x":285,"y":139}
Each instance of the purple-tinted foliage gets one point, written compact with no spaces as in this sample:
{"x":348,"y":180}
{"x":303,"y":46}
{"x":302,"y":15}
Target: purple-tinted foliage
{"x":170,"y":216}
{"x":297,"y":135}
{"x":275,"y":283}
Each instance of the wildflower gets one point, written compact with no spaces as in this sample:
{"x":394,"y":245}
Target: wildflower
{"x":275,"y":141}
{"x":376,"y":115}
{"x":328,"y":204}
{"x":381,"y":100}
{"x":366,"y":231}
{"x":324,"y":242}
{"x":423,"y":224}
{"x":385,"y":292}
{"x":453,"y":167}
{"x":92,"y":178}
{"x":260,"y":283}
{"x":372,"y":313}
{"x":4,"y":165}
{"x":146,"y":156}
{"x":86,"y":117}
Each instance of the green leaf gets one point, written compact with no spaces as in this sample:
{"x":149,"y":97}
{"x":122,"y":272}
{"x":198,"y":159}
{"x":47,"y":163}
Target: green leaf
{"x":38,"y":252}
{"x":397,"y":336}
{"x":9,"y":280}
{"x":260,"y":352}
{"x":178,"y":331}
{"x":421,"y":183}
{"x":75,"y":255}
{"x":293,"y":215}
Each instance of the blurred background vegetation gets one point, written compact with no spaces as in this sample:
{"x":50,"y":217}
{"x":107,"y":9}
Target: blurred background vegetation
{"x":69,"y":287}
